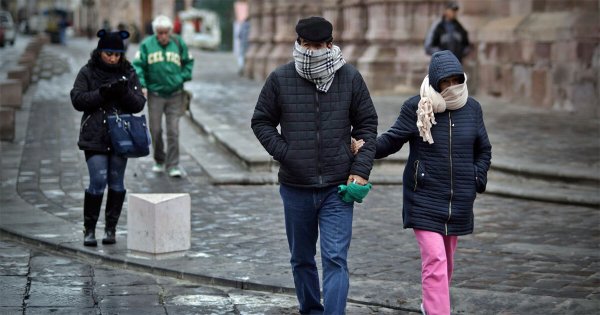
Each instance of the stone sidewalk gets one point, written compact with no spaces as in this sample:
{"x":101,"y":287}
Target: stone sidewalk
{"x":35,"y":280}
{"x":525,"y":256}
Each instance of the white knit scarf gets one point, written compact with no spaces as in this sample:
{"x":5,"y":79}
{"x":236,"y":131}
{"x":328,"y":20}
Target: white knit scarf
{"x":432,"y":102}
{"x":318,"y":66}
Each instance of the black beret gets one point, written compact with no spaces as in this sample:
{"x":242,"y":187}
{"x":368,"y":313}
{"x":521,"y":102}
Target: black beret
{"x":315,"y":29}
{"x":111,"y":41}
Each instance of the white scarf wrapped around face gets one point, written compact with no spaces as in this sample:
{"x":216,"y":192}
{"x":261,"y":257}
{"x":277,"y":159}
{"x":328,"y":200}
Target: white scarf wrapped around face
{"x":318,"y":66}
{"x":432,"y":102}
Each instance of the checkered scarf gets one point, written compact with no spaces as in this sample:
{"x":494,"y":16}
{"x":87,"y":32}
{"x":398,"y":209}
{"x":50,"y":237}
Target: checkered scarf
{"x":318,"y":66}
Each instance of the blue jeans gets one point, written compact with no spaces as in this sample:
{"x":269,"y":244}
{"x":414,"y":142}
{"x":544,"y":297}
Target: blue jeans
{"x":106,"y":169}
{"x":308,"y":211}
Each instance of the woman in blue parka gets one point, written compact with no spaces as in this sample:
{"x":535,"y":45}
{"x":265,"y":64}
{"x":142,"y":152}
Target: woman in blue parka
{"x":447,"y":165}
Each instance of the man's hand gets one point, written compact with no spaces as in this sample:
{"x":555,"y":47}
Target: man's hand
{"x":145,"y":92}
{"x":355,"y":145}
{"x":357,"y":179}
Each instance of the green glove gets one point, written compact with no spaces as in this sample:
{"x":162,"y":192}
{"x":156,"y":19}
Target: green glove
{"x":354,"y":192}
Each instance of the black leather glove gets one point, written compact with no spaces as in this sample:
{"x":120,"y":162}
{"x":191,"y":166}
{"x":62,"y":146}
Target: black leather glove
{"x":114,"y":90}
{"x":119,"y":88}
{"x":105,"y":91}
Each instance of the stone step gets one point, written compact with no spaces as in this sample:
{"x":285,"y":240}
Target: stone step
{"x":227,"y":163}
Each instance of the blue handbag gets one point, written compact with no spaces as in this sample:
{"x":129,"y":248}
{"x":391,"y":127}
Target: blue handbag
{"x":129,"y":135}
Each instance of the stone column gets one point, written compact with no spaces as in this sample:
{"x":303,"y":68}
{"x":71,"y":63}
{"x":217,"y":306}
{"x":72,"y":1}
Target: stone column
{"x":331,"y":12}
{"x":411,"y":21}
{"x":354,"y":26}
{"x":285,"y":14}
{"x":288,"y":13}
{"x":308,"y":8}
{"x":377,"y":62}
{"x":254,"y":39}
{"x":267,"y":32}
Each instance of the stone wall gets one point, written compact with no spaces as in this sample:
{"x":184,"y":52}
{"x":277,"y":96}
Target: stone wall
{"x":543,"y":53}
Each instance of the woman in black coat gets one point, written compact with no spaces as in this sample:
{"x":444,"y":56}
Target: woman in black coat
{"x":105,"y":85}
{"x":449,"y":158}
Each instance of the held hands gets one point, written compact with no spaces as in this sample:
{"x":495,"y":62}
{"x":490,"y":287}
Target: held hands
{"x":356,"y":145}
{"x":356,"y":179}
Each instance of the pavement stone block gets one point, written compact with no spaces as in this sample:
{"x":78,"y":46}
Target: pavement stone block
{"x":22,"y":74}
{"x":158,"y":223}
{"x":11,"y":93}
{"x":28,"y":60}
{"x":7,"y":124}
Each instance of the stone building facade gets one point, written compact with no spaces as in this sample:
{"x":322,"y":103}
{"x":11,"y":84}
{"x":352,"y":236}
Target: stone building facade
{"x":544,"y":53}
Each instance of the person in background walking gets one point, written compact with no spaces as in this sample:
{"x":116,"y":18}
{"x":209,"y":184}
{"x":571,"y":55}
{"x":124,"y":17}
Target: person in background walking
{"x":319,"y":102}
{"x":163,"y":64}
{"x":244,"y":34}
{"x":241,"y":30}
{"x":450,"y":155}
{"x":106,"y":84}
{"x":448,"y":34}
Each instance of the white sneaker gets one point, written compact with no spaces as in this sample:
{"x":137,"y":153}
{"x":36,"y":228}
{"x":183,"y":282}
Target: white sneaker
{"x":175,"y":172}
{"x":423,"y":310}
{"x":158,"y":168}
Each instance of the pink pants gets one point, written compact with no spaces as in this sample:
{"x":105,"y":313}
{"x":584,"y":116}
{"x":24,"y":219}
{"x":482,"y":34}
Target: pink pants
{"x":437,"y":257}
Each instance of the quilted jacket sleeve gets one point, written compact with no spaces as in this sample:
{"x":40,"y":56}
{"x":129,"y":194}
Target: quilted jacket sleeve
{"x":483,"y":153}
{"x":403,"y":129}
{"x":363,"y":118}
{"x":266,"y":118}
{"x":84,"y":96}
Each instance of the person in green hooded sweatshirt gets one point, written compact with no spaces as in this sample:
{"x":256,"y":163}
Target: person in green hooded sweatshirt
{"x":163,"y":63}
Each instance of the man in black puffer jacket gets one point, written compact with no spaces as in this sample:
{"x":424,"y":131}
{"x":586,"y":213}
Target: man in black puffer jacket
{"x":320,"y":103}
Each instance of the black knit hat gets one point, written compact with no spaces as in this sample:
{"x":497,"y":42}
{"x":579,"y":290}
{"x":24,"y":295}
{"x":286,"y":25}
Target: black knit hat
{"x":315,"y":29}
{"x":111,"y":41}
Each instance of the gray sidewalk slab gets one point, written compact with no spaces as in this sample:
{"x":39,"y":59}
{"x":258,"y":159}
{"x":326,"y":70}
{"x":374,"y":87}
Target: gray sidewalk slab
{"x":524,"y":257}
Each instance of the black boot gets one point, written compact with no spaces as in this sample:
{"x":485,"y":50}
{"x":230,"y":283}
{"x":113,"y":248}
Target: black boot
{"x":114,"y":204}
{"x":91,"y":211}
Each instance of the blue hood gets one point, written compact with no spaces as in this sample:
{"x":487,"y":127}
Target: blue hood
{"x":443,"y":64}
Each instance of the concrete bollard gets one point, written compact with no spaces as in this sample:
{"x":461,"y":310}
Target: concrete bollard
{"x":22,"y":74}
{"x":158,"y":223}
{"x":11,"y":93}
{"x":27,"y":59}
{"x":7,"y":124}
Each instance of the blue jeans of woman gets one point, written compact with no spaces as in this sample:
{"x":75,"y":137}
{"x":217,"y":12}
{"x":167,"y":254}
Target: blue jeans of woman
{"x":309,"y":211}
{"x":105,"y":169}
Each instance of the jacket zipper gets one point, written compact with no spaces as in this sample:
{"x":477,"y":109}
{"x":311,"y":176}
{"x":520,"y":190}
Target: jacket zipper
{"x":416,"y":174}
{"x":85,"y":120}
{"x":318,"y":122}
{"x":451,"y":172}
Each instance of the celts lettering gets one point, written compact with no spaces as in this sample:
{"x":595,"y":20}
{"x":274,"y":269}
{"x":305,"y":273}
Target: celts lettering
{"x":155,"y":57}
{"x":158,"y":57}
{"x":174,"y":58}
